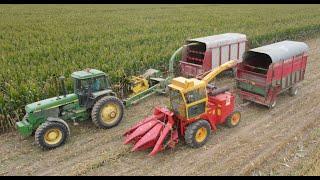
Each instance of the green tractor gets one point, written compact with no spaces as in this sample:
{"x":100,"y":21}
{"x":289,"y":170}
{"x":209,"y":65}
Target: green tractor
{"x":92,"y":97}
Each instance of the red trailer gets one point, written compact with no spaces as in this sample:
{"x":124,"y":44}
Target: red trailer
{"x":200,"y":55}
{"x":270,"y":70}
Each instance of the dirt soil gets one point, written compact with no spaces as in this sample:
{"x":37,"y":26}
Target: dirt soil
{"x":281,"y":141}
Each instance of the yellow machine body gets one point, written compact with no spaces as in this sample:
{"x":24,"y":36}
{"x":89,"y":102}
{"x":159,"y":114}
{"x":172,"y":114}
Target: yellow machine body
{"x":139,"y":84}
{"x":193,"y":91}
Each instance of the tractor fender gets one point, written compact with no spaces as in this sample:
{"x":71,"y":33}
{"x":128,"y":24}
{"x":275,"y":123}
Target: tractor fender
{"x":58,"y":120}
{"x":96,"y":99}
{"x":98,"y":95}
{"x":103,"y":93}
{"x":212,"y":124}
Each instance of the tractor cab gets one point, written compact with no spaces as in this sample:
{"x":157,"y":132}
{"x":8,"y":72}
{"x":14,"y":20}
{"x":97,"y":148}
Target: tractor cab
{"x":89,"y":82}
{"x":188,"y":97}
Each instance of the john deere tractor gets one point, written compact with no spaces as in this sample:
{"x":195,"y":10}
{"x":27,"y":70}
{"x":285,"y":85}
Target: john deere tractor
{"x":92,"y":97}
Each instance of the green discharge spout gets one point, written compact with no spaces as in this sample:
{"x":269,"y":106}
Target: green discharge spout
{"x":173,"y":57}
{"x":172,"y":60}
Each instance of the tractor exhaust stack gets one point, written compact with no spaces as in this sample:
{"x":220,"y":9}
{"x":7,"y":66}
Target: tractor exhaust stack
{"x":63,"y":87}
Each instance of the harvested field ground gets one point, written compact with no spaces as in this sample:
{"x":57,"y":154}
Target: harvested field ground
{"x":281,"y":141}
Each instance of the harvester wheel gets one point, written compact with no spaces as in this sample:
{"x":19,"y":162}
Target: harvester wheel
{"x":233,"y":119}
{"x":50,"y":135}
{"x":293,"y":91}
{"x":197,"y":133}
{"x":107,"y":112}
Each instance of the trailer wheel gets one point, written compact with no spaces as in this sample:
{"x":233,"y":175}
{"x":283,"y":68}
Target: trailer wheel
{"x":293,"y":91}
{"x":197,"y":133}
{"x":233,"y":119}
{"x":273,"y":104}
{"x":107,"y":112}
{"x":50,"y":135}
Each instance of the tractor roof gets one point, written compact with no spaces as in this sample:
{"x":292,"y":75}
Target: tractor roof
{"x":87,"y":73}
{"x":185,"y":85}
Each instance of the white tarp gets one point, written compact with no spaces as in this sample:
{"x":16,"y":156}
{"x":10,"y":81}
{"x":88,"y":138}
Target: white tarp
{"x":281,"y":50}
{"x":220,"y":40}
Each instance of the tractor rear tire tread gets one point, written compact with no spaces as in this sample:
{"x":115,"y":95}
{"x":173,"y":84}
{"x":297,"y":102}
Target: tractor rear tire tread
{"x":41,"y":130}
{"x":95,"y":113}
{"x":192,"y":130}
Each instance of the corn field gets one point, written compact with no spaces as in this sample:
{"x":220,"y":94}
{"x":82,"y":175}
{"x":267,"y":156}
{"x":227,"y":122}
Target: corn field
{"x":39,"y":42}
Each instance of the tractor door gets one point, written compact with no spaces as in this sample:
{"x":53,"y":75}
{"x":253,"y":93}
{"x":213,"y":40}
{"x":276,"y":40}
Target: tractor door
{"x":196,"y":102}
{"x":83,"y":89}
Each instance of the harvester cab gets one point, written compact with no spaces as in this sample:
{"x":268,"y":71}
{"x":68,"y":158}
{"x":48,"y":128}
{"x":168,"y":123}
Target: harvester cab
{"x":92,"y":97}
{"x":197,"y":107}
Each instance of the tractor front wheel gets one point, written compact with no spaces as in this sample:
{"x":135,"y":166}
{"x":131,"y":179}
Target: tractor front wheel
{"x":233,"y":119}
{"x":107,"y":112}
{"x":197,"y":133}
{"x":50,"y":135}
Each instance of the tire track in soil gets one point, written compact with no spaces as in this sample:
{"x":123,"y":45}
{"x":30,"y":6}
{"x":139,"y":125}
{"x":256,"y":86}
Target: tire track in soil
{"x":286,"y":160}
{"x":91,"y":151}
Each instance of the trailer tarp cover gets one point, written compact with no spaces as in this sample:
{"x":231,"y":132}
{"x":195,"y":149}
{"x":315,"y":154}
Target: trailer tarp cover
{"x":220,"y":40}
{"x":279,"y":51}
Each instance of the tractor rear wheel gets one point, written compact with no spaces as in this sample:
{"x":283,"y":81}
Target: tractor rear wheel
{"x":197,"y":133}
{"x":107,"y":112}
{"x":233,"y":119}
{"x":50,"y":135}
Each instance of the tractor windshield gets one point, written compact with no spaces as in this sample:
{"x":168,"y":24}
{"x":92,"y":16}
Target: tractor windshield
{"x":100,"y":84}
{"x":96,"y":84}
{"x":196,"y":102}
{"x":81,"y":85}
{"x":195,"y":95}
{"x":177,"y":103}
